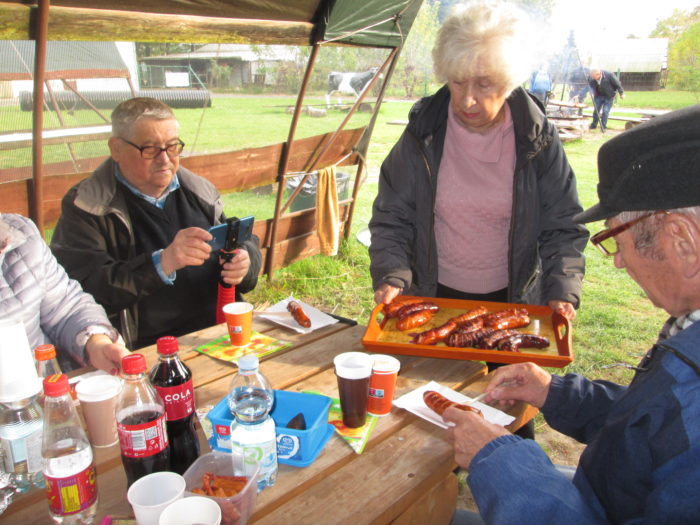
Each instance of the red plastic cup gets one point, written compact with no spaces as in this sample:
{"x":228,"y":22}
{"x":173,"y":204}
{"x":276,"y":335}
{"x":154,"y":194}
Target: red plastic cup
{"x":382,"y":384}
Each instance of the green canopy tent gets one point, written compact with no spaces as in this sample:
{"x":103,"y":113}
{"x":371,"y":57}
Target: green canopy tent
{"x":367,"y":23}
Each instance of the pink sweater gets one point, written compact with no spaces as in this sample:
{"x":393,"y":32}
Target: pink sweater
{"x":473,"y":206}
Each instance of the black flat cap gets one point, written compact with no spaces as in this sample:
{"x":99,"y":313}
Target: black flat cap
{"x":653,"y":166}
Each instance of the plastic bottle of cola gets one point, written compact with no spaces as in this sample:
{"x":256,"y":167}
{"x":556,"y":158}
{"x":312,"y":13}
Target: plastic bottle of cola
{"x":69,"y":470}
{"x":253,"y":430}
{"x":173,"y":381}
{"x":140,"y":413}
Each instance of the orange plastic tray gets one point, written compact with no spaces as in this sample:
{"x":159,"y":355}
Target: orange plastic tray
{"x":383,"y":337}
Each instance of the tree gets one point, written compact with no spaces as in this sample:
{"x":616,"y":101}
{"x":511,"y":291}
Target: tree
{"x":415,"y":63}
{"x":675,"y":25}
{"x":684,"y":60}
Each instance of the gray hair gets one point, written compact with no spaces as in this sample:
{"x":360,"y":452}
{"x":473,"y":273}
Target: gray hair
{"x":126,"y":114}
{"x":493,"y":33}
{"x":645,"y":232}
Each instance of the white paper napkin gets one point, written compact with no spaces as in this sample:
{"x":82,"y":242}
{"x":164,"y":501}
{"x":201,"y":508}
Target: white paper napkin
{"x":278,"y":313}
{"x":413,"y":402}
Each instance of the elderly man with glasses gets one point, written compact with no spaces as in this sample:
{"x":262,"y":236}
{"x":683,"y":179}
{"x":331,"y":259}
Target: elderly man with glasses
{"x":134,"y":233}
{"x":642,"y":460}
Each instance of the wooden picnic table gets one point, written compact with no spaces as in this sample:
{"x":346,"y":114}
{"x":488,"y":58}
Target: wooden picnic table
{"x":404,"y":475}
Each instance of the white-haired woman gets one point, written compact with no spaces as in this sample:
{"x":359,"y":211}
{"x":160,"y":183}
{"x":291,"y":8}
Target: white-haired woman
{"x":475,"y":200}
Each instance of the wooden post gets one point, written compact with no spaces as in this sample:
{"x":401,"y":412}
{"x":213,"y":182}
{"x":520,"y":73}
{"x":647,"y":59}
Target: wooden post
{"x":284,"y":162}
{"x":42,"y":25}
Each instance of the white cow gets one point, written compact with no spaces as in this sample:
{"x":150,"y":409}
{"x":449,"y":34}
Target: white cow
{"x":348,"y":83}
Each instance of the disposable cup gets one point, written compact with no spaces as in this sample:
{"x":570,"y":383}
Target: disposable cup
{"x":353,"y":370}
{"x":188,"y":511}
{"x":151,"y":494}
{"x":18,"y":377}
{"x":239,"y":320}
{"x":98,"y":397}
{"x":382,"y":384}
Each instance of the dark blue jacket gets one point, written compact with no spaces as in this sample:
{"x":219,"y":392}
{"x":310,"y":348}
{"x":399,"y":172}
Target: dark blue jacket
{"x":642,"y":462}
{"x":609,"y":84}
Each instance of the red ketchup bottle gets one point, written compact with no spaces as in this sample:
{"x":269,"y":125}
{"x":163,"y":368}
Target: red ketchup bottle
{"x":173,"y":381}
{"x":140,"y":413}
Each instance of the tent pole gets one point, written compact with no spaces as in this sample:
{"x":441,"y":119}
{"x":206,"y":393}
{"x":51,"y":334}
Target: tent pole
{"x":284,"y":161}
{"x":37,"y":200}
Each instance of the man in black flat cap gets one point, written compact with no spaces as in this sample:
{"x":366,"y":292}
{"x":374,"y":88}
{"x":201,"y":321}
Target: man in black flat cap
{"x":642,"y":460}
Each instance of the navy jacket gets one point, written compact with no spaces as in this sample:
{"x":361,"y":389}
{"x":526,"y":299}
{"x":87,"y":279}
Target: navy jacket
{"x":609,"y":84}
{"x":642,"y":462}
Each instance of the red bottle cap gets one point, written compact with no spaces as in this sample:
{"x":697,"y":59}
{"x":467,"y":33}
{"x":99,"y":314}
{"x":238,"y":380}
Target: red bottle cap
{"x":44,"y":352}
{"x":56,"y":385}
{"x":133,"y":364}
{"x":167,"y":345}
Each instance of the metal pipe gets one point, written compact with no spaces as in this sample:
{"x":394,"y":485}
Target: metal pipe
{"x":37,"y":198}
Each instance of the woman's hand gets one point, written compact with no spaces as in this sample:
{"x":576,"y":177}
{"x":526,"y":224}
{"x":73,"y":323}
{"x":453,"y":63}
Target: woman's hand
{"x":386,"y":293}
{"x":563,"y":308}
{"x":104,"y":354}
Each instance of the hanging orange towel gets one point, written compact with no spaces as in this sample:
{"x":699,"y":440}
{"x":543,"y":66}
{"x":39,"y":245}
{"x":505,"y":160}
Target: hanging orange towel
{"x":327,"y":212}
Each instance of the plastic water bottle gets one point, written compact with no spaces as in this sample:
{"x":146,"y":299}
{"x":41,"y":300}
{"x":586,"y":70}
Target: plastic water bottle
{"x":46,"y":362}
{"x":69,"y":469}
{"x":253,"y":430}
{"x":21,"y":424}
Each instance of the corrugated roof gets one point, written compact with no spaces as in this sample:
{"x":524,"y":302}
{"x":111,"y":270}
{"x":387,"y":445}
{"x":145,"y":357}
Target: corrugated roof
{"x":631,"y":55}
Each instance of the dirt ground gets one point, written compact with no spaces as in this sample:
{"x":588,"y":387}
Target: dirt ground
{"x":561,"y":449}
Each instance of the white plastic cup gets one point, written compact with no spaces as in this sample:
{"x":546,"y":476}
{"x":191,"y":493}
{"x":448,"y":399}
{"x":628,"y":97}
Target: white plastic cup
{"x":150,"y":495}
{"x":195,"y":509}
{"x":98,"y":398}
{"x":18,"y":377}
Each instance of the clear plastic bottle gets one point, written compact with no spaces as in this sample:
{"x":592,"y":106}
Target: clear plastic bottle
{"x":69,"y":469}
{"x":140,"y":413}
{"x":253,"y":430}
{"x":173,"y":381}
{"x":21,"y":425}
{"x":46,"y":362}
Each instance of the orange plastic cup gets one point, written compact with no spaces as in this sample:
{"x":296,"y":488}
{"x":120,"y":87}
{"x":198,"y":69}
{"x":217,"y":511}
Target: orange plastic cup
{"x":382,"y":384}
{"x":239,"y":320}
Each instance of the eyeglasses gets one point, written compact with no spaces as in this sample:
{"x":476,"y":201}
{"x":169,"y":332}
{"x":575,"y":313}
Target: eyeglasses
{"x":605,"y":240}
{"x":151,"y":152}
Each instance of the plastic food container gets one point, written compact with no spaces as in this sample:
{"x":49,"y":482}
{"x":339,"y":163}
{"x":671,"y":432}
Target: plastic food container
{"x":235,"y":510}
{"x":295,"y":447}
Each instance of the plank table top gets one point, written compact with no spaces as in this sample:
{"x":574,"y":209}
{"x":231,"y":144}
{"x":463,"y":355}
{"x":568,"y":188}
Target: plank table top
{"x":404,"y":473}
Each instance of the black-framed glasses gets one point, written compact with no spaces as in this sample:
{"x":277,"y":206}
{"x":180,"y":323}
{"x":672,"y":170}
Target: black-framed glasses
{"x":605,"y":240}
{"x":151,"y":152}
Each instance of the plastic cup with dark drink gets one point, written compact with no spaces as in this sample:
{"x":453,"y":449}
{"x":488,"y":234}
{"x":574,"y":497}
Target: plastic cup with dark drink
{"x":353,"y":370}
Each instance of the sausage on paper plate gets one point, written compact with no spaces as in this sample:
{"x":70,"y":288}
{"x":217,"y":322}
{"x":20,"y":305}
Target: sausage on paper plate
{"x":438,"y":403}
{"x":299,"y":314}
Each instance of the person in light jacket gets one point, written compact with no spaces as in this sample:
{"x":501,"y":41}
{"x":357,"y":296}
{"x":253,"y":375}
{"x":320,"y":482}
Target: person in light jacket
{"x":54,"y":309}
{"x":641,"y":463}
{"x":476,"y":200}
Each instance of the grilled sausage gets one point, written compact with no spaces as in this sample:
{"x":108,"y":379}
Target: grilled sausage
{"x":468,"y":339}
{"x":516,"y":342}
{"x":471,"y":314}
{"x":299,"y":314}
{"x":515,"y":321}
{"x":438,"y":403}
{"x":494,"y":317}
{"x":416,"y":307}
{"x":491,"y":341}
{"x":435,"y":335}
{"x":390,"y":310}
{"x":414,"y":320}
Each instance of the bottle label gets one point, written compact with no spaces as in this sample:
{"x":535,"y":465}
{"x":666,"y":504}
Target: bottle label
{"x":179,"y":400}
{"x":143,"y":440}
{"x":263,"y":454}
{"x":72,"y":494}
{"x":22,"y":455}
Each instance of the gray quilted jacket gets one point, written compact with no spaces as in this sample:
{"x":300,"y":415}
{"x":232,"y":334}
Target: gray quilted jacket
{"x":35,"y":289}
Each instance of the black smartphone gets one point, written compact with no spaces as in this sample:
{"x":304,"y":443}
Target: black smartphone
{"x":231,"y":233}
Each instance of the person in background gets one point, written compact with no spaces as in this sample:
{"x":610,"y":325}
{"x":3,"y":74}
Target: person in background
{"x":134,"y":233}
{"x":578,"y":79}
{"x":541,"y":85}
{"x":642,"y":459}
{"x":476,"y":199}
{"x":603,"y":86}
{"x":54,"y":309}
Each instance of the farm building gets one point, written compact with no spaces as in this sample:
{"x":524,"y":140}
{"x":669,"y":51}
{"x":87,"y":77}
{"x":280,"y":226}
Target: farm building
{"x":218,"y":65}
{"x":640,"y":63}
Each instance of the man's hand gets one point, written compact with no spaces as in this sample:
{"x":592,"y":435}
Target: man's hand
{"x":234,"y":271}
{"x":104,"y":354}
{"x":386,"y":293}
{"x":189,"y":248}
{"x":563,"y":308}
{"x":528,"y":382}
{"x":470,"y":434}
